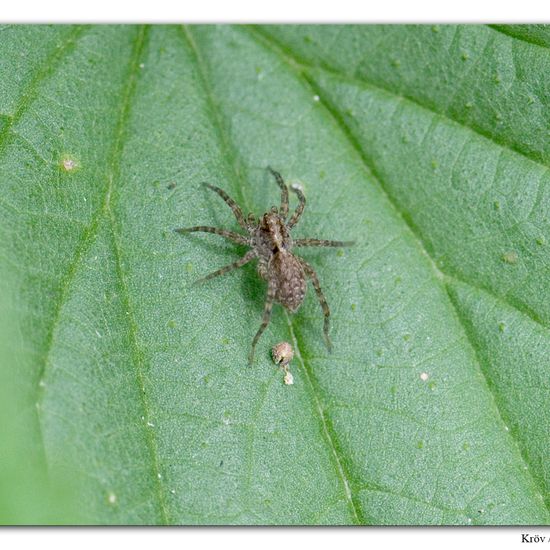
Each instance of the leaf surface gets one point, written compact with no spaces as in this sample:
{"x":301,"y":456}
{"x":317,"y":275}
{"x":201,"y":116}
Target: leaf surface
{"x":426,"y":145}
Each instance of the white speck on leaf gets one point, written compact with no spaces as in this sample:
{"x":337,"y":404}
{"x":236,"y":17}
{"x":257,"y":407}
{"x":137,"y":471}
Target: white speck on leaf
{"x":68,"y":164}
{"x":288,"y":379}
{"x":424,"y":376}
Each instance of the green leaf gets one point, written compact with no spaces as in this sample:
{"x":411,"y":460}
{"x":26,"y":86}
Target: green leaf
{"x":427,"y":145}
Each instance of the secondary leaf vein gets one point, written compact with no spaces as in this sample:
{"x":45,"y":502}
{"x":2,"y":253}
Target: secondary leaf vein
{"x":49,"y":67}
{"x":438,"y":276}
{"x":136,"y":351}
{"x":301,"y":68}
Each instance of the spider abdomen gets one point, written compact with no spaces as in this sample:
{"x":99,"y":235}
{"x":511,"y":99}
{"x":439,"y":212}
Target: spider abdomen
{"x":290,"y":279}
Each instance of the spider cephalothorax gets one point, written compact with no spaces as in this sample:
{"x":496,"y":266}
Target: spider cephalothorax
{"x":271,"y":243}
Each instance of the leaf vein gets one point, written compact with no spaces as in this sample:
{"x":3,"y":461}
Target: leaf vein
{"x":518,"y":447}
{"x":523,"y":308}
{"x":317,"y":406}
{"x":437,"y":274}
{"x":49,"y":67}
{"x":326,"y":429}
{"x":301,"y":67}
{"x":136,"y":351}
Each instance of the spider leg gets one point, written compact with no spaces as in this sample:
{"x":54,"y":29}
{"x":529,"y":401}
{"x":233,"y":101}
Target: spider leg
{"x":265,"y":319}
{"x":250,"y":255}
{"x":235,"y":237}
{"x":262,"y":268}
{"x":284,"y":192}
{"x":299,"y":209}
{"x":321,"y":242}
{"x":310,"y":272}
{"x":230,"y":202}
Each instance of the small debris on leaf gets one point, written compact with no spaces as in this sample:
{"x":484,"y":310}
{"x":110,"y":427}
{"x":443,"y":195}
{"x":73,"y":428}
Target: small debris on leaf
{"x":288,"y":379}
{"x":510,"y":257}
{"x":282,"y":356}
{"x":282,"y":353}
{"x":68,"y":163}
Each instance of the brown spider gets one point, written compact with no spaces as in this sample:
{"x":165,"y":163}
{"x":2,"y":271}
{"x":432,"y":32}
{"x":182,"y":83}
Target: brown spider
{"x":270,"y":242}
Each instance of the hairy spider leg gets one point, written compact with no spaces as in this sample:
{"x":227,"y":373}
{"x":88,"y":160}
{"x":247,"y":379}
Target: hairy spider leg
{"x":250,"y":255}
{"x":284,"y":192}
{"x":299,"y":209}
{"x":271,"y":291}
{"x":262,"y":268}
{"x":235,"y":237}
{"x":321,"y":242}
{"x":251,"y":221}
{"x":310,"y":272}
{"x":230,"y":202}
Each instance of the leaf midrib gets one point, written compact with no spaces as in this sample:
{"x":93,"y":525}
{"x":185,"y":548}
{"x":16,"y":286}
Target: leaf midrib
{"x":326,"y":430}
{"x":315,"y":399}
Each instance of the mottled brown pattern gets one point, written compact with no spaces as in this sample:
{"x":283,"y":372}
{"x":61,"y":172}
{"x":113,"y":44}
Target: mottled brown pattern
{"x":271,"y":243}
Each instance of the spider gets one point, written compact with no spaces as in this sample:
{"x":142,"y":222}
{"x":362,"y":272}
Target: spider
{"x":270,"y":242}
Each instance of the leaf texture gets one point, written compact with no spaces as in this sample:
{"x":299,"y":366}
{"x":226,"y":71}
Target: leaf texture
{"x":427,"y":145}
